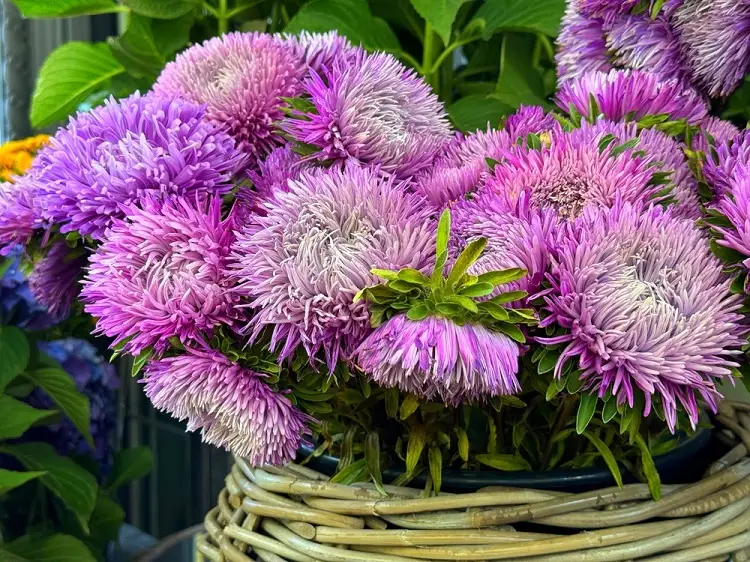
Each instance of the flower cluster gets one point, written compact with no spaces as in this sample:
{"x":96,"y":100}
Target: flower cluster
{"x":700,"y":44}
{"x":283,"y":214}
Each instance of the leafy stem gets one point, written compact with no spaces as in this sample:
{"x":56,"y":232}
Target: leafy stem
{"x":561,"y":420}
{"x":222,"y":17}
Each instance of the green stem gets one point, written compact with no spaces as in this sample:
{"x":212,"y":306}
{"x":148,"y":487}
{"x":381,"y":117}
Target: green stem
{"x":223,"y":17}
{"x":274,"y":18}
{"x":428,"y":56}
{"x":561,"y":420}
{"x":237,"y":11}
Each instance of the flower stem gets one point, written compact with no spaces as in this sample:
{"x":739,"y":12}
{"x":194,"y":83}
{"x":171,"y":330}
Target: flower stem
{"x":223,"y":17}
{"x":428,"y":56}
{"x":561,"y":420}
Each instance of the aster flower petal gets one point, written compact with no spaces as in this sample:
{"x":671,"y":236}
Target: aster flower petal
{"x":375,"y":111}
{"x":231,"y":405}
{"x":301,"y":265}
{"x":322,"y":50}
{"x":160,"y":274}
{"x":734,"y":204}
{"x":582,"y":46}
{"x":647,"y":307}
{"x":719,"y":130}
{"x":19,"y":217}
{"x":55,"y":280}
{"x":721,"y":165}
{"x":435,"y":356}
{"x":241,"y":77}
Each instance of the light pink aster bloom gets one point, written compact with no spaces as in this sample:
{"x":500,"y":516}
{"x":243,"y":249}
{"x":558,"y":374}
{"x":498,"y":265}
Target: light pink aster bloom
{"x":231,"y":406}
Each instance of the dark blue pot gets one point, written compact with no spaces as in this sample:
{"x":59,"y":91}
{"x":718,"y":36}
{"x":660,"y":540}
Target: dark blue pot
{"x":683,"y":463}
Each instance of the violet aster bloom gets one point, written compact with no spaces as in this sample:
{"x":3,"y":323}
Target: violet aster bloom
{"x":117,"y":154}
{"x":572,"y":172}
{"x":241,"y":77}
{"x":647,"y":308}
{"x":435,"y":356}
{"x":18,"y":307}
{"x":375,"y":111}
{"x":632,"y":95}
{"x":609,"y":8}
{"x":719,"y":130}
{"x":301,"y":265}
{"x":721,"y":167}
{"x":230,"y":404}
{"x":715,"y":39}
{"x":321,"y":50}
{"x":19,"y":217}
{"x":160,"y":273}
{"x":734,"y":203}
{"x":582,"y":46}
{"x":459,"y":168}
{"x":530,"y":119}
{"x":55,"y":279}
{"x":273,"y":174}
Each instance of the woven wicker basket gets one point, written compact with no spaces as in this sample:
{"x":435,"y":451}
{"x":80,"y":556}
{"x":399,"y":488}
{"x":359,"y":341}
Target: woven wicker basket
{"x":295,"y":514}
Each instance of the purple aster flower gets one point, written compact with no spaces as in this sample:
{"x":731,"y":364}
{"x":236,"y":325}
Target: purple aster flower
{"x":609,"y":8}
{"x":375,"y":111}
{"x":117,"y":154}
{"x":55,"y":279}
{"x":572,"y":172}
{"x":321,"y":50}
{"x":18,"y":215}
{"x":273,"y":174}
{"x":18,"y":307}
{"x":517,"y":234}
{"x":301,"y":265}
{"x":435,"y":356}
{"x":530,"y":119}
{"x":734,"y":203}
{"x":582,"y":47}
{"x":647,"y":308}
{"x":231,"y":405}
{"x":722,"y":132}
{"x":632,"y":95}
{"x":459,"y":168}
{"x":721,"y":167}
{"x":715,"y":39}
{"x":160,"y":273}
{"x":241,"y":77}
{"x":97,"y":380}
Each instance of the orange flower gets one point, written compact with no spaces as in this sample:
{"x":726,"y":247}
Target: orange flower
{"x":16,"y":156}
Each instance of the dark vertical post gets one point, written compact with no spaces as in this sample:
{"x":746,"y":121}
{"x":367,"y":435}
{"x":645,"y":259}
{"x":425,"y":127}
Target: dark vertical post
{"x":16,"y":70}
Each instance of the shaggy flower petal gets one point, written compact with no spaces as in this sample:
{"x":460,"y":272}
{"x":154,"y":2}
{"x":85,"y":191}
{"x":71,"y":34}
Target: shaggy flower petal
{"x":321,"y":50}
{"x":241,"y":77}
{"x":734,"y":203}
{"x":647,"y":307}
{"x":609,"y":8}
{"x":530,"y":119}
{"x":19,"y":217}
{"x":719,"y":130}
{"x":301,"y":265}
{"x":375,"y":111}
{"x":572,"y":172}
{"x":116,"y":155}
{"x":273,"y":174}
{"x":582,"y":46}
{"x":160,"y":274}
{"x":720,"y":168}
{"x":435,"y":356}
{"x":231,"y":405}
{"x":55,"y":280}
{"x":714,"y":36}
{"x":624,"y":94}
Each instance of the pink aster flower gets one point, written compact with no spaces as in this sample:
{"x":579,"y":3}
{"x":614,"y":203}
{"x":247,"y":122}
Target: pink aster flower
{"x":19,"y":217}
{"x":375,"y":111}
{"x":301,"y":265}
{"x":734,"y":204}
{"x":573,"y":172}
{"x":719,"y":130}
{"x":647,"y":309}
{"x":241,"y":77}
{"x":321,"y":50}
{"x":721,"y":166}
{"x":55,"y":279}
{"x":124,"y":151}
{"x":273,"y":174}
{"x":714,"y":36}
{"x":530,"y":119}
{"x":435,"y":356}
{"x":582,"y":46}
{"x":459,"y":168}
{"x":160,"y":273}
{"x":231,"y":405}
{"x":631,"y":95}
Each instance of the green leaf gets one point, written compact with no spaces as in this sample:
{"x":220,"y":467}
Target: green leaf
{"x":136,"y":49}
{"x":419,"y":312}
{"x":50,"y":548}
{"x":463,"y":444}
{"x":74,"y":485}
{"x":649,"y":468}
{"x":415,"y":446}
{"x":552,"y":391}
{"x":355,"y":472}
{"x":14,"y":354}
{"x":610,"y":410}
{"x":513,"y":332}
{"x":391,"y":402}
{"x":69,"y":75}
{"x":607,"y":455}
{"x":162,"y":9}
{"x":351,"y":18}
{"x":386,"y":274}
{"x":547,"y":363}
{"x":463,"y":302}
{"x":443,"y":233}
{"x":409,"y":406}
{"x":539,"y":16}
{"x":65,"y":8}
{"x":509,"y":296}
{"x":440,"y":14}
{"x":413,"y":276}
{"x":502,"y":277}
{"x":61,"y":388}
{"x":500,"y":461}
{"x":106,"y":520}
{"x":476,"y":111}
{"x":10,"y":479}
{"x":574,"y":383}
{"x":18,"y":416}
{"x":129,"y":464}
{"x":469,"y":255}
{"x":140,"y":361}
{"x":586,"y":410}
{"x":435,"y":458}
{"x":477,"y":290}
{"x":372,"y":456}
{"x":520,"y":82}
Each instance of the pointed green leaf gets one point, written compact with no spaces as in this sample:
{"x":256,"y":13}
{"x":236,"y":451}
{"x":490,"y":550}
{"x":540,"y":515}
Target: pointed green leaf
{"x":470,"y":255}
{"x":140,"y":361}
{"x":415,"y":446}
{"x":409,"y":406}
{"x":464,"y":302}
{"x":508,"y":463}
{"x":463,"y":444}
{"x":513,"y":332}
{"x":586,"y":410}
{"x":495,"y":310}
{"x":440,"y":14}
{"x":372,"y":456}
{"x":502,"y":277}
{"x":18,"y":416}
{"x":14,"y":354}
{"x":413,"y":276}
{"x":419,"y":312}
{"x":46,"y":548}
{"x":617,"y":150}
{"x":61,"y":388}
{"x":552,"y":391}
{"x":649,"y":468}
{"x":574,"y":383}
{"x":10,"y":479}
{"x":65,"y":8}
{"x":610,"y":410}
{"x":355,"y":472}
{"x":435,"y":459}
{"x":510,"y":296}
{"x":477,"y":290}
{"x":548,"y":362}
{"x":607,"y":455}
{"x":386,"y":274}
{"x":129,"y":464}
{"x":391,"y":402}
{"x":162,"y":9}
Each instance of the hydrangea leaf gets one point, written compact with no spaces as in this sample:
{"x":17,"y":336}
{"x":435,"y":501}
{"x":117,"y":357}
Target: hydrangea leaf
{"x":440,"y":14}
{"x":49,"y":548}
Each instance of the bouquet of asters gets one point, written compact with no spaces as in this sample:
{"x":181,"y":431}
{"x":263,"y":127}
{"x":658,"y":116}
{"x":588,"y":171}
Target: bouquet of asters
{"x":296,"y":247}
